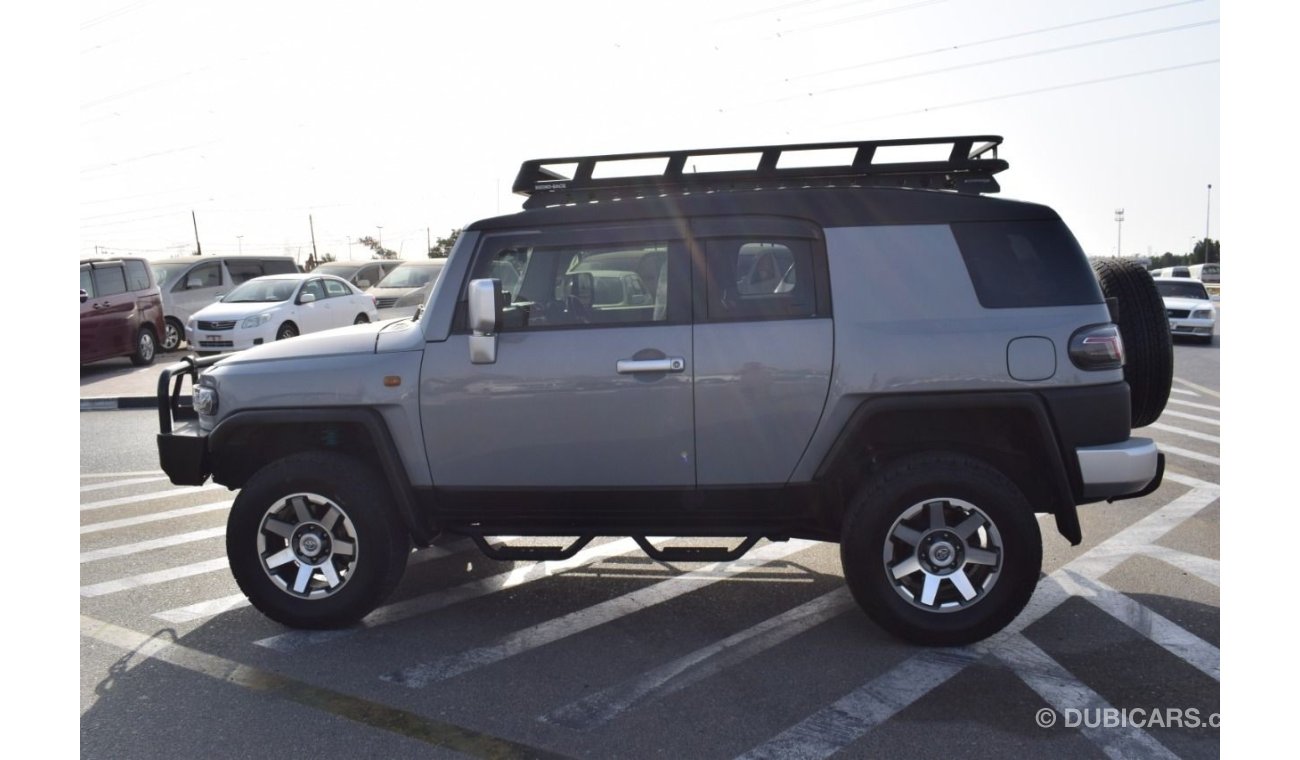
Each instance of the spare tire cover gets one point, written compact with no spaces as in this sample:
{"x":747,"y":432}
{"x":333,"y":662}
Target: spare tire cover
{"x":1144,"y":328}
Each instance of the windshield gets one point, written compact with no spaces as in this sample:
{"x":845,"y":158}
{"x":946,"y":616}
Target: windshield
{"x":1188,"y":289}
{"x":163,"y":272}
{"x":262,"y":291}
{"x":410,"y":276}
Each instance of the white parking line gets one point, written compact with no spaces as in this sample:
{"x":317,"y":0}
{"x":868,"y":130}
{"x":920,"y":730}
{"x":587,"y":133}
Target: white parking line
{"x":1060,"y":689}
{"x":205,"y":609}
{"x":607,"y":704}
{"x":550,"y":631}
{"x":1184,"y":432}
{"x":1192,"y":417}
{"x":154,"y":496}
{"x":156,"y":543}
{"x":426,"y":603}
{"x":1184,"y":391}
{"x":139,"y":473}
{"x":170,"y":514}
{"x":1188,"y":454}
{"x":1202,"y":567}
{"x":120,"y":483}
{"x":1194,"y":405}
{"x":1194,"y":386}
{"x":154,"y":578}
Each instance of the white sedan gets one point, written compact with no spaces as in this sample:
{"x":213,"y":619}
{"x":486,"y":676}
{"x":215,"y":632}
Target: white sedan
{"x":275,"y":307}
{"x":1188,"y":307}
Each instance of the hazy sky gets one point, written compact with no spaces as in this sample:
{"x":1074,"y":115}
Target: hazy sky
{"x":415,"y":116}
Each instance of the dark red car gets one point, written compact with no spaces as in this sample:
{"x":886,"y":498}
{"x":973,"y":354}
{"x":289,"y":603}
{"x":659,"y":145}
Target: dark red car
{"x":121,"y":310}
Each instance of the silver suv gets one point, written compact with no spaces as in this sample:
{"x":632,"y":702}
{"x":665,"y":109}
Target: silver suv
{"x":871,"y":354}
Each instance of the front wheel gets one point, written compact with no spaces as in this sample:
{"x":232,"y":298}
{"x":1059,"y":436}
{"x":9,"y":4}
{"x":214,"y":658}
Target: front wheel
{"x":287,"y":330}
{"x":941,"y":549}
{"x":314,"y":540}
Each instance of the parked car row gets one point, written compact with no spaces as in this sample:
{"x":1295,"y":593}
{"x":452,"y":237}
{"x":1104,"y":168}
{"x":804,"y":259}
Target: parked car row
{"x":134,"y":307}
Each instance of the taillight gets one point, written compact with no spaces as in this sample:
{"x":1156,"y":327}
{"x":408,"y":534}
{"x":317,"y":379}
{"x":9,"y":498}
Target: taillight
{"x":1097,"y":347}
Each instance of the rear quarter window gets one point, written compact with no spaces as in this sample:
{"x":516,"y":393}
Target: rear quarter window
{"x":1023,"y":264}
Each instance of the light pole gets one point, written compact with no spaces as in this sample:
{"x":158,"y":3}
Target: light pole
{"x":380,"y":227}
{"x":1208,"y":189}
{"x":240,"y":238}
{"x":1119,"y":232}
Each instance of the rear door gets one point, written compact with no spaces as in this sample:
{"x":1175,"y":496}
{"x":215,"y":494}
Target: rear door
{"x":583,"y":394}
{"x":764,"y":344}
{"x":113,"y":309}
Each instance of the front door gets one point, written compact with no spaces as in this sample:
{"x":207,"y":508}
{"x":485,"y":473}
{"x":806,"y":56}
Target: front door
{"x":592,"y":383}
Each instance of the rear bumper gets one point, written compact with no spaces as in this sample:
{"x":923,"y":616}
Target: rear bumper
{"x":1129,"y":468}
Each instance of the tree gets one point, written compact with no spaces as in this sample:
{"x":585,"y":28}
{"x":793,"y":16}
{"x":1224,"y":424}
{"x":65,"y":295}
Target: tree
{"x":442,"y":248}
{"x":1198,"y":253}
{"x":380,"y":251}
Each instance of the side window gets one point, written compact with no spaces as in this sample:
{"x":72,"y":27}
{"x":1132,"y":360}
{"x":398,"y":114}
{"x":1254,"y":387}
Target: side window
{"x":313,"y":287}
{"x":759,"y":278}
{"x":109,"y":281}
{"x":203,"y":276}
{"x":335,"y":289}
{"x":243,"y":271}
{"x":137,"y":275}
{"x":87,"y":282}
{"x":570,"y":285}
{"x":371,"y":274}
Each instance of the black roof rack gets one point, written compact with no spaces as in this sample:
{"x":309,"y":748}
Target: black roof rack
{"x":972,"y":161}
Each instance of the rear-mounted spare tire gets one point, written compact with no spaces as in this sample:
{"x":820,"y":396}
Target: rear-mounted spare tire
{"x":1144,"y":328}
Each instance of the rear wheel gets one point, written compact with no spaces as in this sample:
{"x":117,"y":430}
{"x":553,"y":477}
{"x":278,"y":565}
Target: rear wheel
{"x":361,"y":319}
{"x":1144,"y":328}
{"x":941,"y":549}
{"x":146,"y":347}
{"x":314,"y":540}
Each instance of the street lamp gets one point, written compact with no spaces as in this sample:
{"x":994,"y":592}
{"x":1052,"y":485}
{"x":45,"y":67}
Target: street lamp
{"x":240,"y":238}
{"x":1119,"y":235}
{"x":1208,"y":188}
{"x":380,"y":227}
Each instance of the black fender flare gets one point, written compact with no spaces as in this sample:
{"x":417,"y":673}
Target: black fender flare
{"x":381,"y":440}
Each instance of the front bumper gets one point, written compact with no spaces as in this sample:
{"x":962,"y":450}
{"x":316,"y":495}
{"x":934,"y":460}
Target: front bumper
{"x":182,"y":448}
{"x":235,"y":339}
{"x":1128,"y":469}
{"x":1202,"y":328}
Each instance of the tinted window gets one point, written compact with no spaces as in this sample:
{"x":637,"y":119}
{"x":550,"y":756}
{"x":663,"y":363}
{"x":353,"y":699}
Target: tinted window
{"x":87,"y":282}
{"x":109,"y":281}
{"x":759,"y":278}
{"x":1025,"y":264}
{"x":243,"y":271}
{"x":137,"y":275}
{"x":278,"y":266}
{"x":1187,"y":289}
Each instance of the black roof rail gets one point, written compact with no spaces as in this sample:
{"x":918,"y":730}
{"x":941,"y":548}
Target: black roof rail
{"x":972,"y":161}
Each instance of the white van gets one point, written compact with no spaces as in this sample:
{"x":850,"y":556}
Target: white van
{"x":189,"y":283}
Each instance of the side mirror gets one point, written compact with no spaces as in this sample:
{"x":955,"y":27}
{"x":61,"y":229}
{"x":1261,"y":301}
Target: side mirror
{"x":306,"y":298}
{"x":484,"y":315}
{"x":84,"y":295}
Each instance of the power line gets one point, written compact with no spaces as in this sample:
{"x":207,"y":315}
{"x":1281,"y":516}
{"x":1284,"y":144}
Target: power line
{"x":991,"y":40}
{"x":1038,"y":91}
{"x":873,"y":14}
{"x":989,"y":61}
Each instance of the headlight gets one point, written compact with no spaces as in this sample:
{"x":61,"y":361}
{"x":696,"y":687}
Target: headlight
{"x":1203,"y":314}
{"x":205,"y":400}
{"x":260,"y":319}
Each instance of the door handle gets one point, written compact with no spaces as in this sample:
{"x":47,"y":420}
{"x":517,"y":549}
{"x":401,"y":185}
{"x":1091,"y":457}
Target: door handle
{"x":632,"y":366}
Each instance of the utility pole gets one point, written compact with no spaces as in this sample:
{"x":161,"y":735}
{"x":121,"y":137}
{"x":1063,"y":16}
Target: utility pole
{"x":312,"y":225}
{"x":240,"y":238}
{"x":1208,"y":188}
{"x":1119,"y":235}
{"x":199,"y":245}
{"x":428,"y":242}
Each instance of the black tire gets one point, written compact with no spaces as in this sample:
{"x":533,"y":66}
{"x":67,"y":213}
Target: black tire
{"x":1144,"y":328}
{"x":287,"y":330}
{"x":173,"y":335}
{"x":361,"y":319}
{"x":146,"y":347}
{"x":1007,"y":535}
{"x":357,"y":559}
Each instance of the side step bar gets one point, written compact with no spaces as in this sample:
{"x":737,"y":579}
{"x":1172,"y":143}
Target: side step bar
{"x":507,"y":553}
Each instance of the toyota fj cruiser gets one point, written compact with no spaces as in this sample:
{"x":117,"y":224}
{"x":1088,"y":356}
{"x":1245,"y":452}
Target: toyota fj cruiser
{"x":871,"y":353}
